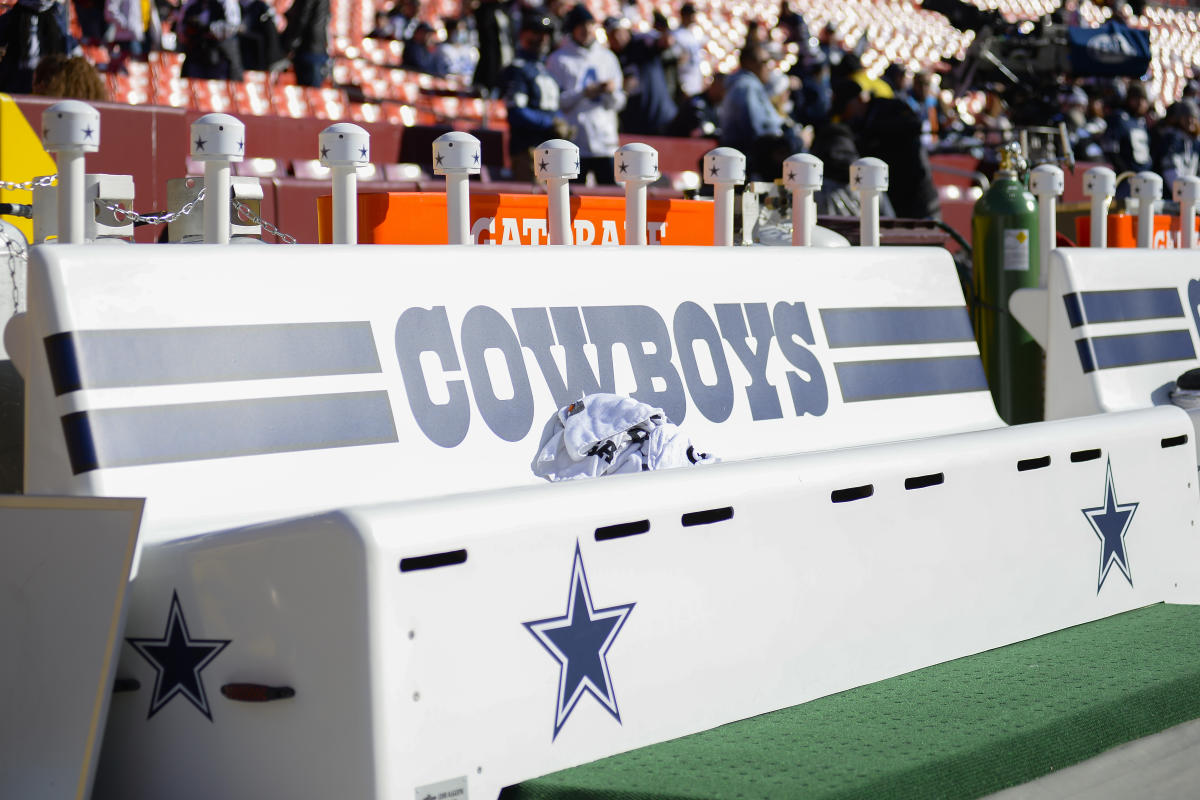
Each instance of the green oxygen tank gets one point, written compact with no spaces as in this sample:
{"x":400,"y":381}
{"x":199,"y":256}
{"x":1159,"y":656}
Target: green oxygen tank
{"x":1005,"y":246}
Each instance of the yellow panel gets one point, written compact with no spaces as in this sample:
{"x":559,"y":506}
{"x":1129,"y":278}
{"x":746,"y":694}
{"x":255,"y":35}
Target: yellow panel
{"x":21,"y":158}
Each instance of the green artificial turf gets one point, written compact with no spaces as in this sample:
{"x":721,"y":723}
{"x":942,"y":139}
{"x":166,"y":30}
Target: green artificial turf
{"x":960,"y":729}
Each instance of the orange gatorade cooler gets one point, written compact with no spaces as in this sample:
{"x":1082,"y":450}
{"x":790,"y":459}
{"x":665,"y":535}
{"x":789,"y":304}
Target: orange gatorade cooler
{"x":1122,"y":231}
{"x":420,"y":218}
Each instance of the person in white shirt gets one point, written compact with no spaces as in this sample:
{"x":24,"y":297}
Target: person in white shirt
{"x":687,"y":40}
{"x":590,"y":84}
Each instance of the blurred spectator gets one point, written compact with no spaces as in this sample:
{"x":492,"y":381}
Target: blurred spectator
{"x":29,"y":31}
{"x":531,"y":96}
{"x":834,"y":143}
{"x":1127,"y":139}
{"x":456,"y":55}
{"x":306,"y":38}
{"x":829,"y":49}
{"x":418,"y":51}
{"x":922,"y":99}
{"x":687,"y":43}
{"x":385,"y":27}
{"x":698,"y":114}
{"x":851,"y":67}
{"x":649,"y":105}
{"x":590,"y":82}
{"x":403,"y":18}
{"x":889,"y":129}
{"x":133,"y":28}
{"x":896,"y":76}
{"x":795,"y":29}
{"x":811,"y":102}
{"x":90,"y":14}
{"x":668,"y":53}
{"x":1073,"y":106}
{"x":1176,"y":149}
{"x":495,"y":44}
{"x":261,"y":45}
{"x":75,"y":78}
{"x":747,"y":115}
{"x":209,"y":39}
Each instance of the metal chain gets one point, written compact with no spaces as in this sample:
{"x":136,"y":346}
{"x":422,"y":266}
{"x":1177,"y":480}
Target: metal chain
{"x":122,"y":214}
{"x":44,"y":180}
{"x":247,"y":214}
{"x":17,"y":253}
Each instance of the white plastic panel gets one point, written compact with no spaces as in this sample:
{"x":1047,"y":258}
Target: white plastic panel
{"x":231,"y":390}
{"x":1123,"y":325}
{"x":64,"y":569}
{"x":960,"y":544}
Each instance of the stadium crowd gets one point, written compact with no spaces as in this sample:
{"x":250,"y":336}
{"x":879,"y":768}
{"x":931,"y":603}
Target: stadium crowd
{"x":561,"y":72}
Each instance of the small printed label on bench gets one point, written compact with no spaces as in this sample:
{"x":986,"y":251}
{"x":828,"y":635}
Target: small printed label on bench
{"x":453,"y":789}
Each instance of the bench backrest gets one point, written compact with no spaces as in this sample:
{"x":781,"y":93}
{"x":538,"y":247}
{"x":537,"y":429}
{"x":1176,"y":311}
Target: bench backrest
{"x":244,"y":383}
{"x":1122,"y":327}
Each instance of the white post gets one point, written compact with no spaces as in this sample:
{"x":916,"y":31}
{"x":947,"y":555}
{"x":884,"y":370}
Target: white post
{"x":457,"y":156}
{"x":803,"y":174}
{"x":869,"y":177}
{"x":1100,"y":184}
{"x":70,"y":129}
{"x":636,"y":166}
{"x":217,"y":140}
{"x":725,"y":169}
{"x":557,"y":163}
{"x":1046,"y":182}
{"x":1187,"y":193}
{"x":343,"y":148}
{"x":1147,"y":188}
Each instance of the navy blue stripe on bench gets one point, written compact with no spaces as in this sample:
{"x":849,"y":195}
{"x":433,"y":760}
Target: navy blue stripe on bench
{"x":909,"y":377}
{"x":865,"y":327}
{"x":162,"y":356}
{"x":1108,"y":352}
{"x":127,"y":437}
{"x":1122,"y":305}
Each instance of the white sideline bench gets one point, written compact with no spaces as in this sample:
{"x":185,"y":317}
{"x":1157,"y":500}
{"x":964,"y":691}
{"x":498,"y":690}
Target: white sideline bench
{"x":232,"y":386}
{"x":1118,"y":326}
{"x":419,"y":638}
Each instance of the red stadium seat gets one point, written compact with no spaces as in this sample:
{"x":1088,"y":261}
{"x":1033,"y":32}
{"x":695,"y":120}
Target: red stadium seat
{"x":290,"y":101}
{"x":211,"y":96}
{"x":253,"y":95}
{"x":326,"y":103}
{"x":365,"y":112}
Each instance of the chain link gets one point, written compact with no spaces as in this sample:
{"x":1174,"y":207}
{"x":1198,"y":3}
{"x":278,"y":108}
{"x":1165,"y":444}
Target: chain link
{"x":246,"y":213}
{"x":44,"y":180}
{"x":123,"y":214}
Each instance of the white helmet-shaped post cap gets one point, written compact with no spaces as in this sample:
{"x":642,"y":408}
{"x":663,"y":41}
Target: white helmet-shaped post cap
{"x":218,"y":137}
{"x":869,"y":174}
{"x":724,"y":165}
{"x":636,"y":162}
{"x":803,"y":172}
{"x":556,"y":158}
{"x":71,"y":126}
{"x":344,"y":144}
{"x":1046,"y":180}
{"x":1186,"y":190}
{"x":1099,"y":182}
{"x":1146,"y":186}
{"x":457,"y":153}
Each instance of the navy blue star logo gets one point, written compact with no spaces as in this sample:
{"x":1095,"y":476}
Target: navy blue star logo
{"x":178,"y":659}
{"x":580,"y":640}
{"x":438,"y":158}
{"x":200,"y":143}
{"x":362,"y":152}
{"x":624,"y":168}
{"x":858,"y":179}
{"x":324,"y":152}
{"x":542,"y":165}
{"x":475,"y":158}
{"x":712,"y":171}
{"x":1111,"y":522}
{"x":791,"y":176}
{"x":241,"y":144}
{"x":87,"y":132}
